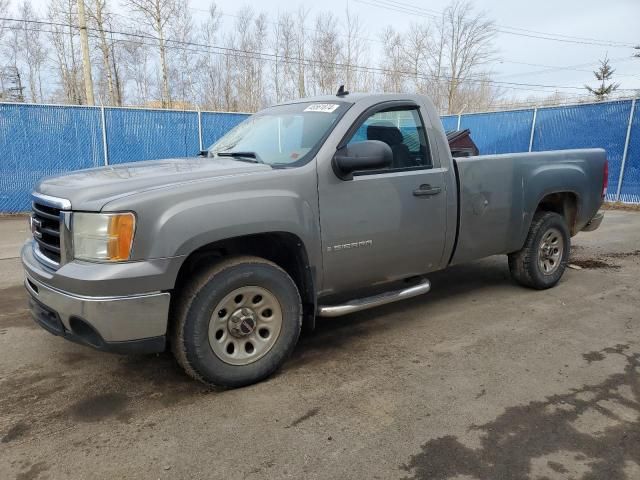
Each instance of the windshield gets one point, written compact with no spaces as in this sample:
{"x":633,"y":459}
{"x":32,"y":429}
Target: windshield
{"x":283,"y":135}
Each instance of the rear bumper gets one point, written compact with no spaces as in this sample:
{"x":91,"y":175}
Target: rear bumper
{"x":594,"y":223}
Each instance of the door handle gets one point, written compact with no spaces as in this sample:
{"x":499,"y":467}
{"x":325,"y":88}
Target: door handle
{"x":425,"y":190}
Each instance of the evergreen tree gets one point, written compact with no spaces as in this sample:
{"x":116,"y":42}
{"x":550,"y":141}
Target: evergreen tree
{"x":603,"y":74}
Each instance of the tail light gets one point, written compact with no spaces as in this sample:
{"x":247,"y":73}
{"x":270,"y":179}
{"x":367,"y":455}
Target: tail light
{"x":605,"y":178}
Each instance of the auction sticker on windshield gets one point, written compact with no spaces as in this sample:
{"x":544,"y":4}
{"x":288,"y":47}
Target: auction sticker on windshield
{"x":322,"y":107}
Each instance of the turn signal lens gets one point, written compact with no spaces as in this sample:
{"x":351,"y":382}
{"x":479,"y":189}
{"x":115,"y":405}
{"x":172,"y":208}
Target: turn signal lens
{"x":121,"y":229}
{"x":103,"y":236}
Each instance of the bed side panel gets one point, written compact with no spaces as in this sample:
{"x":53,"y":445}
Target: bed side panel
{"x":490,"y":206}
{"x":499,"y":195}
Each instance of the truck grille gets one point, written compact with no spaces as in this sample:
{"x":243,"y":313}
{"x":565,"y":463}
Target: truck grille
{"x":45,"y":226}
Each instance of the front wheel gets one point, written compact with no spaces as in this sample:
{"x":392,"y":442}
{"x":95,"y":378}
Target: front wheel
{"x":543,"y":258}
{"x":236,"y":322}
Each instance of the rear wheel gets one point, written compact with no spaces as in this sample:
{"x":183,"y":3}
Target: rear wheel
{"x":236,"y":322}
{"x":543,"y":259}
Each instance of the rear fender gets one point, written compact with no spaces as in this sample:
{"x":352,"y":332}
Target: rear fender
{"x":547,"y":180}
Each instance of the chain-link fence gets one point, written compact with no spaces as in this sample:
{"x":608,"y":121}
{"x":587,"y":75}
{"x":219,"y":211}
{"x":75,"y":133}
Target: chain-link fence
{"x":41,"y":140}
{"x":630,"y":178}
{"x":134,"y":135}
{"x":602,"y":125}
{"x":37,"y":141}
{"x":614,"y":126}
{"x":500,"y":132}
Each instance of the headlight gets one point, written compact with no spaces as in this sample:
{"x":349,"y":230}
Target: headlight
{"x":103,"y":236}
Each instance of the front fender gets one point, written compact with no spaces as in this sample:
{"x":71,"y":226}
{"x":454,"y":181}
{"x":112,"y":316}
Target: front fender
{"x":197,"y":222}
{"x":173,"y":222}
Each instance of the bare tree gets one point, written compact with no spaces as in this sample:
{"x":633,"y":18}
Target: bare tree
{"x":251,"y":32}
{"x":209,"y":66}
{"x":437,"y":66}
{"x":62,"y":15}
{"x":258,"y":44}
{"x":157,"y":14}
{"x":4,"y":9}
{"x":326,"y":52}
{"x":100,"y":16}
{"x":353,"y":53}
{"x":278,"y":44}
{"x":116,"y":61}
{"x":285,"y":66}
{"x":416,"y":52}
{"x":301,"y":49}
{"x":11,"y":75}
{"x":172,"y":56}
{"x":393,"y":61}
{"x":136,"y":57}
{"x":506,"y":102}
{"x":479,"y":95}
{"x":32,"y":51}
{"x":467,"y":46}
{"x":184,"y":57}
{"x":228,"y":76}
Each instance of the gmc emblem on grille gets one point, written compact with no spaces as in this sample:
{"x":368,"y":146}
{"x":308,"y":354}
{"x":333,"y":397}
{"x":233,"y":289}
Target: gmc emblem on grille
{"x":35,"y":227}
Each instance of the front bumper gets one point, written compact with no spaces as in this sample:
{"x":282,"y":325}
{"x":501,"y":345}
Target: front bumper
{"x":134,"y":323}
{"x":594,"y":223}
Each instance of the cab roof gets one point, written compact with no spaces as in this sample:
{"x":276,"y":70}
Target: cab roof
{"x":357,"y":97}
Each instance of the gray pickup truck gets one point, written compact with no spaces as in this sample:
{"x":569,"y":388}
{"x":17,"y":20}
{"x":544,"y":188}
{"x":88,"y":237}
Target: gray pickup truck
{"x":317,"y":207}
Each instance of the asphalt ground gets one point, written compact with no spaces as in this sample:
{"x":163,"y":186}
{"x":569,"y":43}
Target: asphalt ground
{"x":479,"y":379}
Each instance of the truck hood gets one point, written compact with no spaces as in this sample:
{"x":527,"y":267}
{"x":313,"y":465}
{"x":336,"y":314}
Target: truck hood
{"x":93,"y":188}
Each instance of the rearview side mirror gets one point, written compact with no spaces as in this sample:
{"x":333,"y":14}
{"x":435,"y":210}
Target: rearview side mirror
{"x":366,"y":155}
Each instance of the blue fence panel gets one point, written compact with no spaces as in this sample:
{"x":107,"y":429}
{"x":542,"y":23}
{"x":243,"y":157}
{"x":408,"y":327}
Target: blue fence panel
{"x":602,"y":125}
{"x":214,"y":125}
{"x":449,"y":122}
{"x":138,"y":134}
{"x":41,"y":140}
{"x":500,"y":132}
{"x":630,"y":192}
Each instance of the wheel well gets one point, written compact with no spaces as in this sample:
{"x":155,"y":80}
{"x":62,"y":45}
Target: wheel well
{"x":563,"y":203}
{"x":284,"y":249}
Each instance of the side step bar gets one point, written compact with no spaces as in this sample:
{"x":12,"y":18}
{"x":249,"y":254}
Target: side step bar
{"x":374,"y":301}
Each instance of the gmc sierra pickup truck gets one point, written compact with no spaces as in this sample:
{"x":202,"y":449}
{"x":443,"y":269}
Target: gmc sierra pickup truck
{"x":316,"y":207}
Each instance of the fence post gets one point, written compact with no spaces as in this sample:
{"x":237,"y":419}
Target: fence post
{"x":200,"y":129}
{"x":459,"y":118}
{"x":626,"y":149}
{"x":533,"y":128}
{"x":104,"y":136}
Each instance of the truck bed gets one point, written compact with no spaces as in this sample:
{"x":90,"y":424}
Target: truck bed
{"x":498,"y":196}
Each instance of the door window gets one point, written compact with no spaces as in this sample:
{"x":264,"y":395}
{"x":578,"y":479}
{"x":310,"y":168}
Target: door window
{"x":402,"y":129}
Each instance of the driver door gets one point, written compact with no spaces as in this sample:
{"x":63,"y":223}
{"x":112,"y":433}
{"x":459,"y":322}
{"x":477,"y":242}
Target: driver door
{"x":387,"y":224}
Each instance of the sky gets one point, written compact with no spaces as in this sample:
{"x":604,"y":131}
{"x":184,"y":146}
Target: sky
{"x":612,"y":20}
{"x":520,"y":59}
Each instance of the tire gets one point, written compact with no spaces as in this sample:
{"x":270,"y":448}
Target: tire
{"x":210,"y":315}
{"x":543,"y":258}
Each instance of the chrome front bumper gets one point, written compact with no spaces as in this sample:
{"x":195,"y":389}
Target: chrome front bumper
{"x":131,"y":324}
{"x":116,"y":319}
{"x":135,"y":323}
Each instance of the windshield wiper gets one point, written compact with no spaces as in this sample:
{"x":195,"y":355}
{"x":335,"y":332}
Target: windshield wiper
{"x":243,"y":156}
